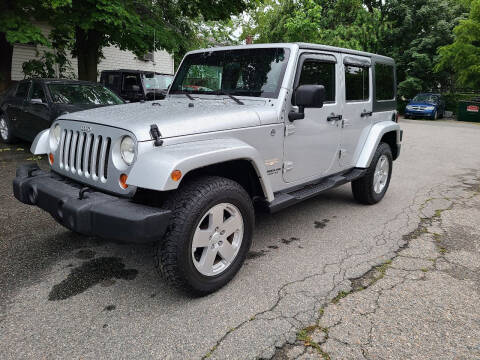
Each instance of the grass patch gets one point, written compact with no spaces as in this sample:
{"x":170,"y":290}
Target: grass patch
{"x":340,"y":296}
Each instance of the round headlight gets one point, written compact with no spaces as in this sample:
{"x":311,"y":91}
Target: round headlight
{"x":127,"y":150}
{"x":55,"y":133}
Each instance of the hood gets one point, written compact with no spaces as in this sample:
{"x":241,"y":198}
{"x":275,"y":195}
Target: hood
{"x":178,"y":117}
{"x":422,"y":103}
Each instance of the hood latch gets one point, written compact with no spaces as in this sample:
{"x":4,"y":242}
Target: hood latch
{"x":155,"y":133}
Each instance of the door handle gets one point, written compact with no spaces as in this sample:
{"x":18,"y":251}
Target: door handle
{"x":334,"y":117}
{"x":366,"y":113}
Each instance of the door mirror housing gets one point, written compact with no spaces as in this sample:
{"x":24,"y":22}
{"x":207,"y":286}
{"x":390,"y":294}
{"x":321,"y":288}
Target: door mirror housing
{"x":37,"y":101}
{"x":307,"y":96}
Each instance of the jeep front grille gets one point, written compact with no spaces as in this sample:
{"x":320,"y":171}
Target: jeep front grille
{"x":85,"y":154}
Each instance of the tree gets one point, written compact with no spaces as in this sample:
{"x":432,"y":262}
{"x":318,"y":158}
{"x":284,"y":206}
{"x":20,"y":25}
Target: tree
{"x":463,"y":55}
{"x":344,"y":23}
{"x":415,"y":37}
{"x":91,"y":25}
{"x":16,"y":27}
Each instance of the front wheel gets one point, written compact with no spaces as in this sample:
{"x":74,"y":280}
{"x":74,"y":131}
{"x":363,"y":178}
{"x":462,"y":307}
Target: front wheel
{"x":6,"y":134}
{"x":371,"y":188}
{"x":209,"y":236}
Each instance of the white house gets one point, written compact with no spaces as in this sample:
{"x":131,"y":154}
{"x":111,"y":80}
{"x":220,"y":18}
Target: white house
{"x":114,"y":58}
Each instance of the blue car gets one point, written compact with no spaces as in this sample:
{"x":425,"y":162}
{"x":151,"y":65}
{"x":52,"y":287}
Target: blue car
{"x":428,"y":105}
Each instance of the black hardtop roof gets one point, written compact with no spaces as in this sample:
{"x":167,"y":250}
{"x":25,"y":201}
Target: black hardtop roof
{"x":136,"y":71}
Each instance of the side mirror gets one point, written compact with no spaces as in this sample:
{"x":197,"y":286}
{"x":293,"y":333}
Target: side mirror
{"x":37,"y":101}
{"x":135,"y":88}
{"x":307,"y":96}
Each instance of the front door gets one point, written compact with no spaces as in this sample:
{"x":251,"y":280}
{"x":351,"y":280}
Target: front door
{"x":15,"y":112}
{"x":37,"y":114}
{"x":311,"y":144}
{"x":357,"y":108}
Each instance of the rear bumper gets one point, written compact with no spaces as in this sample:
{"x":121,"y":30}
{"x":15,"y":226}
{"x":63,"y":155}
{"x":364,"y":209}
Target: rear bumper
{"x":95,"y":213}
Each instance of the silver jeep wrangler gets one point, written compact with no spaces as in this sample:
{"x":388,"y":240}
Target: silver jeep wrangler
{"x":242,"y":128}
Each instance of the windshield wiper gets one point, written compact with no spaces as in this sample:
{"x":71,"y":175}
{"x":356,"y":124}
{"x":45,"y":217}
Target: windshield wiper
{"x":239,"y":102}
{"x":189,"y":96}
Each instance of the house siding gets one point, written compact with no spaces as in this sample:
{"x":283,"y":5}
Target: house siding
{"x":114,"y":58}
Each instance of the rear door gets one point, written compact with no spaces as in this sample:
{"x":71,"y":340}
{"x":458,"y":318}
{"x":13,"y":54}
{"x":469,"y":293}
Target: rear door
{"x":311,"y":144}
{"x":357,"y":108}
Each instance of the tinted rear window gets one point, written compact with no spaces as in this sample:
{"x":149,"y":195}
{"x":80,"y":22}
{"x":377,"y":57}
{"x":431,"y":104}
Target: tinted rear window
{"x":357,"y":83}
{"x":384,"y":82}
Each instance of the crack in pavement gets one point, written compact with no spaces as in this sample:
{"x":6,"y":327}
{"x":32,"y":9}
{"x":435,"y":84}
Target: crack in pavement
{"x":298,"y":301}
{"x":353,"y":326}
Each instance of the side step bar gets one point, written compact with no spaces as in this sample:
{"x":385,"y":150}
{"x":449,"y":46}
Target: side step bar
{"x":291,"y":197}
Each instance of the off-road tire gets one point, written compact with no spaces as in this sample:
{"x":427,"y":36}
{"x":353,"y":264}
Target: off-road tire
{"x":173,"y":258}
{"x":362,"y":188}
{"x":10,"y":138}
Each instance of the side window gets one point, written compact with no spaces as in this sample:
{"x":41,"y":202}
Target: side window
{"x":22,"y":90}
{"x":37,"y":92}
{"x":131,"y":82}
{"x":316,"y":72}
{"x":357,"y":83}
{"x":384,"y":82}
{"x":112,"y":81}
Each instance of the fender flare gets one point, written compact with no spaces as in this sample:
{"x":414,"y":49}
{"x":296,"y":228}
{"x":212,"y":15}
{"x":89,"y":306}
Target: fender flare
{"x":153,"y":168}
{"x":41,"y":144}
{"x":375,"y":135}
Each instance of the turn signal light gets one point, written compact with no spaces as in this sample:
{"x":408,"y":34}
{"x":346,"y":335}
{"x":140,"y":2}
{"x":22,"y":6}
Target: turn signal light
{"x":50,"y":158}
{"x":123,"y":181}
{"x":176,"y":175}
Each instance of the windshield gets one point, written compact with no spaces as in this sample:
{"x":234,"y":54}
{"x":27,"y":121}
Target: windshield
{"x":429,"y":98}
{"x":83,"y":94}
{"x":246,"y":72}
{"x":160,"y":82}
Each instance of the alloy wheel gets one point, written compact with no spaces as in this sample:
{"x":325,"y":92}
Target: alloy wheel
{"x":380,"y":177}
{"x":3,"y":128}
{"x":217,"y":239}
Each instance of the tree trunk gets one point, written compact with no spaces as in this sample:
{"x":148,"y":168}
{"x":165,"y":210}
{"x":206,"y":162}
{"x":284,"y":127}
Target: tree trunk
{"x":6,"y":51}
{"x":87,"y":44}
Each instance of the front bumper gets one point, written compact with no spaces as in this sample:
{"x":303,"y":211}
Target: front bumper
{"x":92,"y":213}
{"x":419,"y":113}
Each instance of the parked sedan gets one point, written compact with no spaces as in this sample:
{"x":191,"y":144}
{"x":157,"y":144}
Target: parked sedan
{"x":30,"y":106}
{"x":428,"y":105}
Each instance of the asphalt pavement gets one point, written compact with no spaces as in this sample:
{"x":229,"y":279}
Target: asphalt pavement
{"x":63,"y":295}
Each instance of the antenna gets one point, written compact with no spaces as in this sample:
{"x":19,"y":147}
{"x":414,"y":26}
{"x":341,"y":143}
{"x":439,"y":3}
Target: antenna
{"x":154,"y":64}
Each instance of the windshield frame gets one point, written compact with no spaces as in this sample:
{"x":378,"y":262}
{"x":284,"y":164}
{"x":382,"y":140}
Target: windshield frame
{"x":267,"y":95}
{"x":104,"y":88}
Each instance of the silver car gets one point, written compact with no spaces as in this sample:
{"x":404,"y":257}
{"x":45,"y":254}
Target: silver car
{"x":242,"y":129}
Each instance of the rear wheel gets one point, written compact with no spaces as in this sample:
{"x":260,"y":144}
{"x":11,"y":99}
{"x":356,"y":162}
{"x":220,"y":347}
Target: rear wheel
{"x":371,"y":188}
{"x":209,"y":235}
{"x":6,"y":134}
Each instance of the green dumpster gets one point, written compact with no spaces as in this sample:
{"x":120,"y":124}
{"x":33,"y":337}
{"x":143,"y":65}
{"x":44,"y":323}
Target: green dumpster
{"x":469,"y":110}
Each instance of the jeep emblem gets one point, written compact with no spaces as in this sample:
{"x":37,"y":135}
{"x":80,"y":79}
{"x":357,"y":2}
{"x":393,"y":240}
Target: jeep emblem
{"x":85,"y":128}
